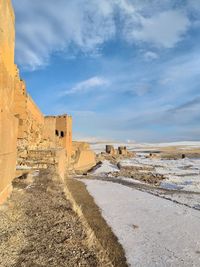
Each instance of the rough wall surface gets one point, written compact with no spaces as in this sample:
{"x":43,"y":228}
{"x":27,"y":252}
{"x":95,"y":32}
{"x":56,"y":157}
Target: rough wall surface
{"x":82,"y":157}
{"x":64,"y":129}
{"x":8,"y":123}
{"x":59,"y":130}
{"x":31,"y":133}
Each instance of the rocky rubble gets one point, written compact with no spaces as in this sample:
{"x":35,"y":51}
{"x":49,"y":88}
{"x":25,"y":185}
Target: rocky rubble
{"x":146,"y":175}
{"x":141,"y":173}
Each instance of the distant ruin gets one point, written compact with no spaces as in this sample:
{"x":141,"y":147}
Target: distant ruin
{"x":121,"y":150}
{"x":28,"y":139}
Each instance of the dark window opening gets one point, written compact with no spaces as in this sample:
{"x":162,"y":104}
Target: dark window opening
{"x":57,"y":133}
{"x":62,"y":134}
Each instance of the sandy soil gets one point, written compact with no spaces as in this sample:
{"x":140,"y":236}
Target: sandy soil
{"x":39,"y":228}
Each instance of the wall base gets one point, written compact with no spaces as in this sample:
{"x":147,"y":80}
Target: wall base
{"x":5,"y":194}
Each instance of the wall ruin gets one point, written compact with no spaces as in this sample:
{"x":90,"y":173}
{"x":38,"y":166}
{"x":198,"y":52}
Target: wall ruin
{"x":8,"y":122}
{"x":27,"y":137}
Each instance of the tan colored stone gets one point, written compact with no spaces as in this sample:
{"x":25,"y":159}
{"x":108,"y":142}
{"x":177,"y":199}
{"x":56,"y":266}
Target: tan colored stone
{"x":8,"y":123}
{"x":83,"y":158}
{"x":122,"y":150}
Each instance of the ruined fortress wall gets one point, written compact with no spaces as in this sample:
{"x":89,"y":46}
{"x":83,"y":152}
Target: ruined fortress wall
{"x":50,"y":128}
{"x":7,"y":36}
{"x":22,"y":124}
{"x":20,"y":103}
{"x":64,"y":128}
{"x":86,"y":159}
{"x":83,"y":157}
{"x":33,"y":109}
{"x":8,"y":123}
{"x":59,"y":130}
{"x":61,"y":163}
{"x":31,"y":120}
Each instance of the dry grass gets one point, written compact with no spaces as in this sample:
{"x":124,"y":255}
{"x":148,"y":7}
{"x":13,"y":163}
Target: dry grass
{"x":176,"y":152}
{"x":99,"y":233}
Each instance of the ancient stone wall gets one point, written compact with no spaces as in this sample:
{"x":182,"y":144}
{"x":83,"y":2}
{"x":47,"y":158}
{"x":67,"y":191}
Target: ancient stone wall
{"x":7,"y":36}
{"x":50,"y":127}
{"x":35,"y":112}
{"x":59,"y":129}
{"x":39,"y":141}
{"x":64,"y":131}
{"x":31,"y":131}
{"x":8,"y":123}
{"x":82,"y":157}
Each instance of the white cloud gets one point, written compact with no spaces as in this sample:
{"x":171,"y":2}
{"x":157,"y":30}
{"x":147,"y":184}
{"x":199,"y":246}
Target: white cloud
{"x":165,"y":29}
{"x":87,"y":85}
{"x":45,"y":27}
{"x":149,"y":55}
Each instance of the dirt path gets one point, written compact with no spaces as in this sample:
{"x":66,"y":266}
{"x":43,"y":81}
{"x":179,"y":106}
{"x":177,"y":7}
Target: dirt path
{"x":38,"y":227}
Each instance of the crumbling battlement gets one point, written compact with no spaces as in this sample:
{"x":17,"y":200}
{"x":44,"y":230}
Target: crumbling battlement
{"x":31,"y":124}
{"x":59,"y":130}
{"x":35,"y":131}
{"x":38,"y":141}
{"x":22,"y":124}
{"x":83,"y":158}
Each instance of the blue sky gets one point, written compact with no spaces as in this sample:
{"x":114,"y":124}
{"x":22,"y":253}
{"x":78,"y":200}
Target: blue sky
{"x":124,"y":69}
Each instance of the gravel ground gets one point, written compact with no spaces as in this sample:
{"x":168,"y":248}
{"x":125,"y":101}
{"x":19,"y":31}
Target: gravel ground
{"x":38,"y":227}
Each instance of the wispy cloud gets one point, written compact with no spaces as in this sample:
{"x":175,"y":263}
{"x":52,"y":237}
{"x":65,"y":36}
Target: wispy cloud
{"x":192,"y":106}
{"x":87,"y":85}
{"x":165,"y":29}
{"x":44,"y":27}
{"x":77,"y":26}
{"x":149,"y":55}
{"x":144,"y":84}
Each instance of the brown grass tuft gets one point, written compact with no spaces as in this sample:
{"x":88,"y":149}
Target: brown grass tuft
{"x":99,"y":233}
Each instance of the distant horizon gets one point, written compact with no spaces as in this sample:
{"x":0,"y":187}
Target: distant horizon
{"x":131,"y":142}
{"x":124,"y":69}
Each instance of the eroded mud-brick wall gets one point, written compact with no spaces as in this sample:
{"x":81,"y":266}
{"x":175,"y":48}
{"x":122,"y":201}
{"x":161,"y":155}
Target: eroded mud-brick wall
{"x":37,"y":132}
{"x":31,"y":130}
{"x":59,"y":129}
{"x":64,"y":130}
{"x":83,"y":158}
{"x":8,"y":122}
{"x":23,"y":127}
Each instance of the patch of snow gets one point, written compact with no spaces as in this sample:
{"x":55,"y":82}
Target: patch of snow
{"x":106,"y":167}
{"x":180,"y":174}
{"x":23,"y":168}
{"x":130,"y":180}
{"x":152,"y":230}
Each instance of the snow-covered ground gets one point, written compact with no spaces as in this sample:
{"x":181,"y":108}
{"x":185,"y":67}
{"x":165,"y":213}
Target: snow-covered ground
{"x":181,"y":174}
{"x":152,"y":230}
{"x":106,"y":167}
{"x":100,"y":147}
